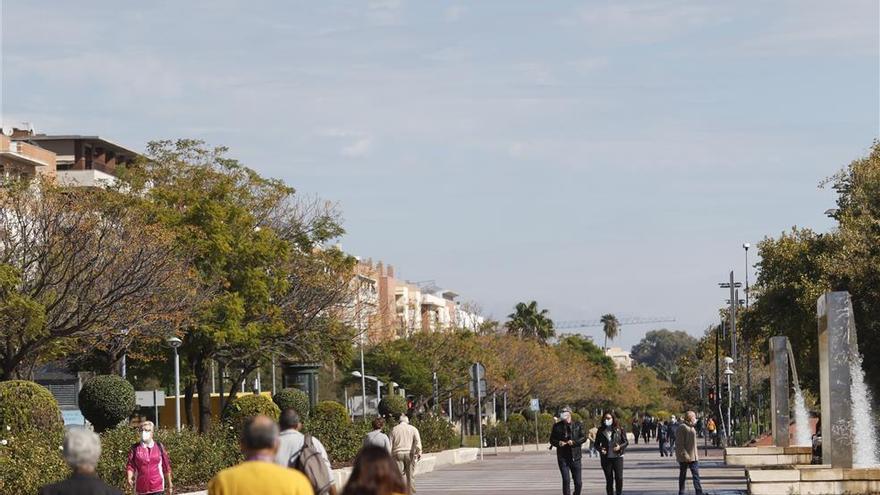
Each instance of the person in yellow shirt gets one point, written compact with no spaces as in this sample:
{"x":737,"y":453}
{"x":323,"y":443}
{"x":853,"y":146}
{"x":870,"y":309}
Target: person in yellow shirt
{"x":258,"y":474}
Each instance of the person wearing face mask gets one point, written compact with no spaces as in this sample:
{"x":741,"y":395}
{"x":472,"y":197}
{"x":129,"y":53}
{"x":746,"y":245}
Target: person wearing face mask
{"x":686,"y":453}
{"x":611,"y":442}
{"x":149,"y":468}
{"x":568,"y":436}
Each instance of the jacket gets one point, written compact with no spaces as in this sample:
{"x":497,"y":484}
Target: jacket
{"x":606,"y":445}
{"x":686,"y":443}
{"x":80,"y":484}
{"x":291,"y":443}
{"x":376,"y":438}
{"x":150,"y":466}
{"x":405,"y":439}
{"x":575,"y":434}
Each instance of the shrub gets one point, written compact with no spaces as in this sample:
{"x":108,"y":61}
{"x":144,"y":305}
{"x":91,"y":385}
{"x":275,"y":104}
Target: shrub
{"x":194,"y":458}
{"x":25,"y":405}
{"x":576,"y":418}
{"x":332,"y":411}
{"x":246,"y":406}
{"x":342,"y":437}
{"x":106,"y":400}
{"x":293,"y":398}
{"x":30,"y":459}
{"x":517,"y":427}
{"x":437,"y":433}
{"x":392,"y":405}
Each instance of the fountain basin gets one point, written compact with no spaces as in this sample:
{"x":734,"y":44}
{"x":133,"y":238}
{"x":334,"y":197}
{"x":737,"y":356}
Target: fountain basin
{"x":767,"y":456}
{"x":812,"y":480}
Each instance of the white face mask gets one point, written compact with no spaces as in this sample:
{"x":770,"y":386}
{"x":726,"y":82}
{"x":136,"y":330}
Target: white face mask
{"x":146,"y":436}
{"x":609,"y":422}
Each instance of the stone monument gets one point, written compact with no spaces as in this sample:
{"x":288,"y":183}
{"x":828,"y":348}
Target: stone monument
{"x":837,"y":341}
{"x":779,"y":391}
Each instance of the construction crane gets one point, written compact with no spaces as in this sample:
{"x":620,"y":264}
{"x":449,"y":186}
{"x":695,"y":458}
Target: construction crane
{"x":568,"y":325}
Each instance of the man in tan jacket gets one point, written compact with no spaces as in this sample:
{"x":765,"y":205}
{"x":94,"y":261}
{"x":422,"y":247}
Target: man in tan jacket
{"x":686,"y":453}
{"x":406,"y":447}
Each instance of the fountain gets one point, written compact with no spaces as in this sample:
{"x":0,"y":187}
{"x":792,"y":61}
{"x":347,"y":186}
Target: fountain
{"x":850,"y":461}
{"x":803,"y":435}
{"x":782,"y":453}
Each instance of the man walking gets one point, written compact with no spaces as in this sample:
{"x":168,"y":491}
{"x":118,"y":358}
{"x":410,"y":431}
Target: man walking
{"x":686,"y":453}
{"x":291,"y":444}
{"x":259,"y":474}
{"x":406,"y":448}
{"x":568,"y":437}
{"x":673,"y":427}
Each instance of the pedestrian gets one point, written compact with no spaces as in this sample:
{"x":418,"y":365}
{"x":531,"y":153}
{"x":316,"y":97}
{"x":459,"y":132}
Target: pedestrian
{"x":663,"y":438}
{"x":568,"y":436}
{"x":259,"y":474}
{"x":81,"y":450}
{"x":591,"y":438}
{"x":148,"y":469}
{"x":686,"y":453}
{"x":376,"y":438}
{"x":673,"y":427}
{"x":636,"y":429}
{"x":406,"y":447}
{"x":303,"y":452}
{"x":611,"y":442}
{"x":646,"y":429}
{"x":710,"y":426}
{"x":374,"y":473}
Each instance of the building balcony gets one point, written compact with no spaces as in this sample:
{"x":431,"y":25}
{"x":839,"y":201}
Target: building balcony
{"x":85,"y":178}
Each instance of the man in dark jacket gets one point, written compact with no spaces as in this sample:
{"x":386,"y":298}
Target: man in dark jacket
{"x":81,"y":451}
{"x":567,"y":437}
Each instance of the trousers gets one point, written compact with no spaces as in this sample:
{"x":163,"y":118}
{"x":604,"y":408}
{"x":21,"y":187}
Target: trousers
{"x":407,"y":466}
{"x":570,"y":469}
{"x":695,"y":474}
{"x":613,"y":469}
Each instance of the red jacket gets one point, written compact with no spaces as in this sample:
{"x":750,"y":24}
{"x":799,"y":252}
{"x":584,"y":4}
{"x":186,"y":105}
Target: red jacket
{"x":150,"y":465}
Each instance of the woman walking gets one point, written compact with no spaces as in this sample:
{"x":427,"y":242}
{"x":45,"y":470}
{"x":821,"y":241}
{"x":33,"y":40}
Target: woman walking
{"x":611,"y":442}
{"x":375,"y":473}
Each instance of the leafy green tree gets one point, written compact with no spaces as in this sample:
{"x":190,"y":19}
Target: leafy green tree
{"x":610,"y":327}
{"x":591,"y":351}
{"x":527,"y":321}
{"x":660,"y":350}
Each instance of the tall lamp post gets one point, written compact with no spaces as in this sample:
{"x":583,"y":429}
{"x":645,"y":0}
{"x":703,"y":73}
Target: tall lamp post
{"x":175,"y":342}
{"x":748,"y":401}
{"x":728,"y":372}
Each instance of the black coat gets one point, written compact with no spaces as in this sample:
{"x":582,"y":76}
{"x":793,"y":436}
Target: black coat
{"x":80,"y":484}
{"x":618,"y":437}
{"x":577,"y":436}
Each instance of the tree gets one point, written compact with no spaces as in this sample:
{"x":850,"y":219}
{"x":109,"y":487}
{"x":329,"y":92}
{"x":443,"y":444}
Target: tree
{"x":660,"y":349}
{"x":591,"y":351}
{"x":257,"y":250}
{"x":77,"y":266}
{"x":527,"y":321}
{"x":611,"y":328}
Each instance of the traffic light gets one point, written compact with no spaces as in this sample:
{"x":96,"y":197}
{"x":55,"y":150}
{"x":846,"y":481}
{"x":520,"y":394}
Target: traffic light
{"x":712,"y":394}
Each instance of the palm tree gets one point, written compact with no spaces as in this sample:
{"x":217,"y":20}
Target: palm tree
{"x":527,"y":321}
{"x":611,"y":327}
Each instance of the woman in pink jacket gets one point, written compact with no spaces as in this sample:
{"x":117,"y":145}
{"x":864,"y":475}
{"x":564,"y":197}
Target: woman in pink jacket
{"x":148,"y":468}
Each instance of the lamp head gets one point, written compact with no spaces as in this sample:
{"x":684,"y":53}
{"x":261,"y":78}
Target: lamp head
{"x":174,"y":342}
{"x":356,"y":374}
{"x":728,"y":360}
{"x":395,"y":384}
{"x":746,"y":246}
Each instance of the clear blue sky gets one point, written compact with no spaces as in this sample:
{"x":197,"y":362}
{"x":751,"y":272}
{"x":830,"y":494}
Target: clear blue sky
{"x":595,"y":156}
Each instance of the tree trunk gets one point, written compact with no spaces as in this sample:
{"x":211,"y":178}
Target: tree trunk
{"x":188,"y":404}
{"x":203,"y":377}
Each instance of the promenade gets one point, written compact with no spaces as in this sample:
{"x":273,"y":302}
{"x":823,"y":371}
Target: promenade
{"x":536,"y":473}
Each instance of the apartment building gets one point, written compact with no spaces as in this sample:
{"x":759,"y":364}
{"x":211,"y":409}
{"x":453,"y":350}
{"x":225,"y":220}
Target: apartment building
{"x":80,"y":160}
{"x":23,"y":160}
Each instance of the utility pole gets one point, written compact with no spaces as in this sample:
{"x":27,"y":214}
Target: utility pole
{"x":733,"y":304}
{"x":748,"y":401}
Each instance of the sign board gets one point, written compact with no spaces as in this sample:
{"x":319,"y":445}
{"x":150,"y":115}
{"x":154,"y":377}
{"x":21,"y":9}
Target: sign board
{"x":477,"y":381}
{"x":473,"y":390}
{"x":150,"y":398}
{"x":535,"y":405}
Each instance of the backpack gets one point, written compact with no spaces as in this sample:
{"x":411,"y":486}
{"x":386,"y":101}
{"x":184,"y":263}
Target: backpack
{"x":309,"y":462}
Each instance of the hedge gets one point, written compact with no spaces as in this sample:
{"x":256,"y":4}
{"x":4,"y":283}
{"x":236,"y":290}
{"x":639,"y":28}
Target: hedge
{"x":25,"y":405}
{"x":293,"y":398}
{"x":106,"y":400}
{"x":392,"y":406}
{"x":245,"y":406}
{"x":437,"y":433}
{"x":30,"y":459}
{"x":332,"y":411}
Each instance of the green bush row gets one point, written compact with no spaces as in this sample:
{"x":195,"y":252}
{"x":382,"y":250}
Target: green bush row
{"x":517,"y":429}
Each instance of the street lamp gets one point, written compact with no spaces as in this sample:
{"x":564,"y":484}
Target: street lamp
{"x":728,"y":372}
{"x":175,"y":342}
{"x":748,"y":400}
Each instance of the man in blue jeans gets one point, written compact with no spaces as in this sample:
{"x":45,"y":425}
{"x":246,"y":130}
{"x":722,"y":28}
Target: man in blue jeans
{"x":686,"y":453}
{"x":568,"y":437}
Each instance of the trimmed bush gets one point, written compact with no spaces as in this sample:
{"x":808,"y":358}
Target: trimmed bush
{"x":30,"y":459}
{"x":342,"y":437}
{"x":106,"y":400}
{"x":25,"y":405}
{"x":332,"y":411}
{"x":392,"y":405}
{"x":517,"y":427}
{"x":437,"y":433}
{"x":293,"y":398}
{"x":246,"y":406}
{"x":195,"y":458}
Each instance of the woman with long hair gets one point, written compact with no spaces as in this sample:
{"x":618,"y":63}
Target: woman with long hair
{"x":611,"y":442}
{"x":375,"y":473}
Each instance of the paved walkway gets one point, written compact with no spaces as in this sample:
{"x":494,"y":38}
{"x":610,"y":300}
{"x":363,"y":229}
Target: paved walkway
{"x":536,"y":473}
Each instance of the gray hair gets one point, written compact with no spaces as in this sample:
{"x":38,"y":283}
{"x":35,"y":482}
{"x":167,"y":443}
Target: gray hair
{"x":82,"y":448}
{"x":404,"y":419}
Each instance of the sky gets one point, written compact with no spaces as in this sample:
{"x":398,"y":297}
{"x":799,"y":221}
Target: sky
{"x":607,"y":156}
